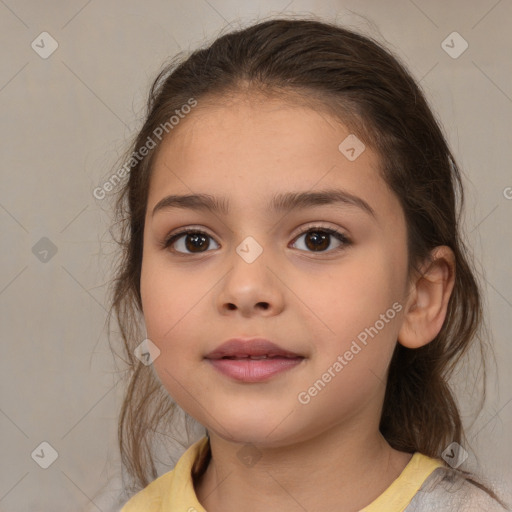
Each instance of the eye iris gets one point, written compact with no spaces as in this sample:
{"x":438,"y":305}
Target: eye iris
{"x":194,"y":240}
{"x":317,"y":236}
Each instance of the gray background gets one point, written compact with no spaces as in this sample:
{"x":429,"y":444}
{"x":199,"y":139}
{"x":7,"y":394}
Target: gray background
{"x":67,"y":119}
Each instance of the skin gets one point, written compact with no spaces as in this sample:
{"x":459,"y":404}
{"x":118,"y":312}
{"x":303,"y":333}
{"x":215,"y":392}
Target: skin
{"x":316,"y":303}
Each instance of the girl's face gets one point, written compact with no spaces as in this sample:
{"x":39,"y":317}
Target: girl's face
{"x":273,"y":273}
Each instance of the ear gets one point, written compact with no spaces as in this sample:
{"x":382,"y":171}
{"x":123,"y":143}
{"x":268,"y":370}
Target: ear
{"x":429,"y":293}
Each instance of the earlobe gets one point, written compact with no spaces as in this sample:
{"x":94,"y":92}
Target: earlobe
{"x":430,"y":292}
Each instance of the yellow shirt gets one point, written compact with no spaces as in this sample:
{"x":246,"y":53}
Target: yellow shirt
{"x":174,"y":490}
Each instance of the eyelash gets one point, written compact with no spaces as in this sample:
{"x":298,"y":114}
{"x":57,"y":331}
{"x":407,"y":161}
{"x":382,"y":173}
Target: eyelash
{"x":333,"y":232}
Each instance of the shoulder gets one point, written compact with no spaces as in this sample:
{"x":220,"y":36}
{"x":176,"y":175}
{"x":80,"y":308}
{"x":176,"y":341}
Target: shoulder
{"x":447,"y":489}
{"x":150,"y":498}
{"x":173,"y":490}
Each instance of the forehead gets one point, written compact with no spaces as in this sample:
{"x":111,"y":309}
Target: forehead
{"x":256,"y":147}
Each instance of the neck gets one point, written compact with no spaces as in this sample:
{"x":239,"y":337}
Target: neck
{"x":336,"y":470}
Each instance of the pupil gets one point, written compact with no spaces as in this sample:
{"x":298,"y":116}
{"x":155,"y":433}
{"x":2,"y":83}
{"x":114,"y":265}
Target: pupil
{"x":194,"y":241}
{"x":318,"y":236}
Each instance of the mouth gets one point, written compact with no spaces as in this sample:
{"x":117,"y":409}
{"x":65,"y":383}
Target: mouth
{"x":256,"y":358}
{"x":252,"y":360}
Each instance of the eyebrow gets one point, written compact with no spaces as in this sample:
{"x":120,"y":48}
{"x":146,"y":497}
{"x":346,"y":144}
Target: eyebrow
{"x":280,"y":202}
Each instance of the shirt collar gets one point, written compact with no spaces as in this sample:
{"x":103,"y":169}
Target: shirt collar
{"x":181,"y":496}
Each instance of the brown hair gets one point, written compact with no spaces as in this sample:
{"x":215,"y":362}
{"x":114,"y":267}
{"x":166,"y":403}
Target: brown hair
{"x":363,"y":85}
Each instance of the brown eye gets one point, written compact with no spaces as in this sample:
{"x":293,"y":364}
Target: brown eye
{"x":319,"y":239}
{"x":189,"y":242}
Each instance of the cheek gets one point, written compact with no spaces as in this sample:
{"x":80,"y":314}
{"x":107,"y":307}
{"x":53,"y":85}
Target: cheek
{"x":170,"y":309}
{"x":358,"y":316}
{"x":167,"y":293}
{"x":170,"y":305}
{"x":353,"y":295}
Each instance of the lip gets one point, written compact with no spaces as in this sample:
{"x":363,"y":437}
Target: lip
{"x":234,"y":359}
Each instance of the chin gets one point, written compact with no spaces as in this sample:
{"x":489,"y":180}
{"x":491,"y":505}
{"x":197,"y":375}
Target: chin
{"x":259,"y":429}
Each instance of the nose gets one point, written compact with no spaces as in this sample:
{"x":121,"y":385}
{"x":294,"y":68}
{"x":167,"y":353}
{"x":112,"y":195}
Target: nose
{"x":250,"y":289}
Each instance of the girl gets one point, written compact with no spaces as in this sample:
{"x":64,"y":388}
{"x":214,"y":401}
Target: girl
{"x":291,"y":238}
